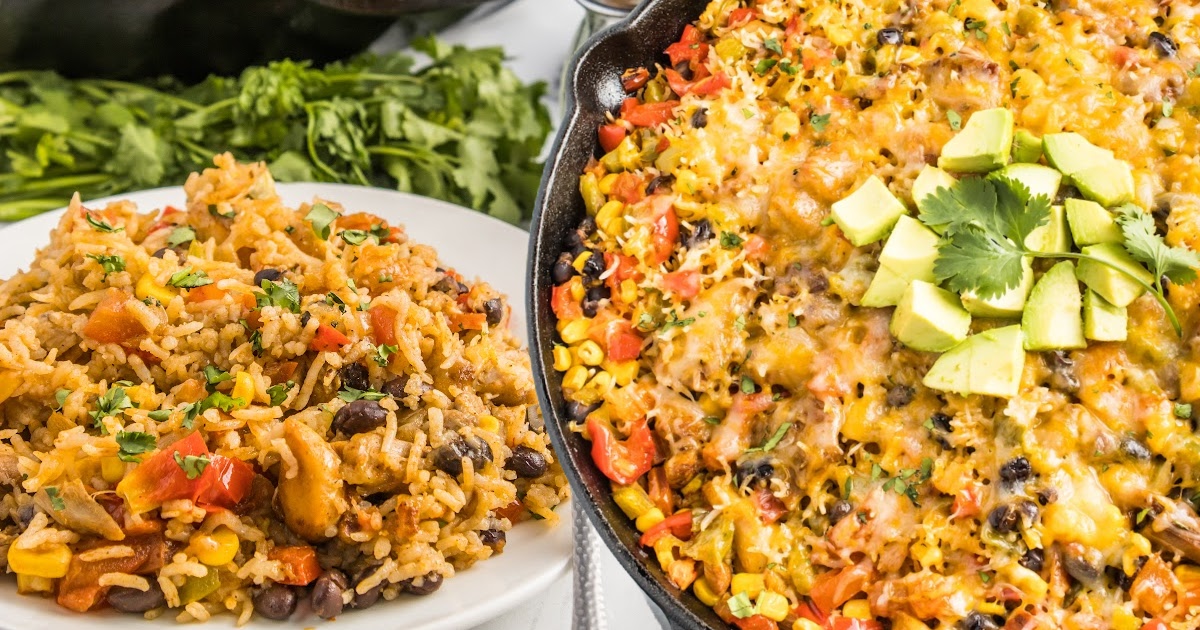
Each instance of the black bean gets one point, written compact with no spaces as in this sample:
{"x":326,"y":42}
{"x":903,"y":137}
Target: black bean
{"x":1062,"y":371}
{"x":448,"y":457}
{"x":527,"y":462}
{"x":889,"y":36}
{"x":277,"y":601}
{"x":367,"y":599}
{"x":494,"y":538}
{"x":355,"y":375}
{"x":258,"y":500}
{"x":587,"y":226}
{"x":397,"y":386}
{"x":1046,"y":496}
{"x":1132,"y":448}
{"x":1027,"y":511}
{"x":1034,"y":560}
{"x":1080,"y":568}
{"x":839,"y":510}
{"x":593,"y":266}
{"x":685,"y":70}
{"x":700,"y":118}
{"x":818,"y":283}
{"x":429,"y":583}
{"x":941,"y":422}
{"x":1163,"y":44}
{"x":659,"y":181}
{"x":1015,"y":470}
{"x":574,"y":241}
{"x":274,"y":275}
{"x":494,"y":309}
{"x":980,"y":621}
{"x":578,"y":411}
{"x":160,"y":253}
{"x":327,"y":594}
{"x":359,"y":416}
{"x":25,"y":515}
{"x":754,"y":472}
{"x":1066,"y":191}
{"x":1118,"y":577}
{"x":1004,"y":518}
{"x":305,"y":317}
{"x":900,"y":395}
{"x":562,"y":271}
{"x":479,"y":452}
{"x":132,"y":600}
{"x":701,"y":232}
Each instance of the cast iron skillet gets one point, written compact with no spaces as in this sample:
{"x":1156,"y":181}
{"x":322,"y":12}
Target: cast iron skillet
{"x":594,"y":88}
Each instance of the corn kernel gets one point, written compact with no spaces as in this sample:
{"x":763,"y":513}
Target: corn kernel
{"x":562,"y":358}
{"x":611,"y":218}
{"x":651,"y":518}
{"x":786,"y":124}
{"x":907,"y":622}
{"x":606,"y":183}
{"x":704,"y":592}
{"x":49,"y":561}
{"x":587,"y":396}
{"x":1122,"y":619}
{"x":629,"y":291}
{"x":990,"y":608}
{"x":805,"y":624}
{"x":576,"y":289}
{"x":1031,"y":584}
{"x":30,"y":584}
{"x":773,"y":606}
{"x":632,"y":500}
{"x":693,"y":485}
{"x":575,"y":378}
{"x":928,"y":555}
{"x":146,"y":287}
{"x":857,"y":609}
{"x":590,"y":353}
{"x":623,"y":373}
{"x":243,"y":388}
{"x":602,"y":382}
{"x":1138,"y":546}
{"x":581,"y":260}
{"x":489,"y":423}
{"x":112,"y":469}
{"x":141,"y":395}
{"x":749,"y":583}
{"x":730,"y":49}
{"x":216,"y":549}
{"x":576,"y":330}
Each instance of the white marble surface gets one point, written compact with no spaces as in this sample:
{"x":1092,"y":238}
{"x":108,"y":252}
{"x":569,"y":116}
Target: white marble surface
{"x":537,"y":34}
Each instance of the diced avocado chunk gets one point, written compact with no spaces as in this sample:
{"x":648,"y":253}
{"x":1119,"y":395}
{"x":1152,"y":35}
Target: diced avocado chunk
{"x":927,"y":182}
{"x":1091,"y":223}
{"x":1053,"y":237}
{"x":907,"y":255}
{"x":929,"y":318}
{"x":1103,"y":321}
{"x":1052,"y":320}
{"x":989,"y":363}
{"x":1008,"y":304}
{"x":1113,"y":285}
{"x":1040,"y":180}
{"x":869,"y":213}
{"x":1070,"y":152}
{"x":984,"y":144}
{"x":1109,"y":183}
{"x":1027,"y":147}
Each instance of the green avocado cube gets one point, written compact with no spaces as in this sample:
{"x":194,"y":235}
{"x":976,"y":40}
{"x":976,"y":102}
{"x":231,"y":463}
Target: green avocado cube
{"x":928,"y":181}
{"x":1040,"y":180}
{"x":1109,"y":183}
{"x":907,"y":255}
{"x":1008,"y":304}
{"x":1052,"y":320}
{"x":929,"y":318}
{"x":989,"y":364}
{"x":1053,"y":237}
{"x":983,"y":145}
{"x":1115,"y":286}
{"x":1070,"y":152}
{"x":1103,"y":321}
{"x":1027,"y":147}
{"x":1091,"y":223}
{"x":869,"y":213}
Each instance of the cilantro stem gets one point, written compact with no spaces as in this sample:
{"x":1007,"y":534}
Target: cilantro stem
{"x":1156,"y":292}
{"x":25,"y":208}
{"x":141,"y":89}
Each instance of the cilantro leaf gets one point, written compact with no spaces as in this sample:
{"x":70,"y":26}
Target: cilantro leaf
{"x":180,"y":235}
{"x":214,"y":376}
{"x":134,"y":443}
{"x":100,"y":225}
{"x":349,"y":394}
{"x":1143,"y":242}
{"x":222,"y":401}
{"x":192,"y":465}
{"x":355,"y":237}
{"x":160,"y":415}
{"x":382,"y":352}
{"x":110,"y":404}
{"x":60,"y":397}
{"x":110,"y":264}
{"x":321,"y":217}
{"x":187,"y":278}
{"x":56,"y":500}
{"x":774,"y":440}
{"x":772,"y":45}
{"x":972,"y":260}
{"x":968,"y":202}
{"x":819,"y":122}
{"x":278,"y":393}
{"x":730,"y":240}
{"x":284,"y":294}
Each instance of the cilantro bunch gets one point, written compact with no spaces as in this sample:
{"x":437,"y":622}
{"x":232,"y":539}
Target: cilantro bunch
{"x":462,"y":128}
{"x":985,"y":224}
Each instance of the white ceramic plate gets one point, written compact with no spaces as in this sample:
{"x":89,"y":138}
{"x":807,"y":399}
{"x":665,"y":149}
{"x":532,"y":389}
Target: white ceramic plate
{"x":476,"y":246}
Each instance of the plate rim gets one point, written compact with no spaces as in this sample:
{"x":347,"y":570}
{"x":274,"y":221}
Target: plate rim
{"x":476,"y":611}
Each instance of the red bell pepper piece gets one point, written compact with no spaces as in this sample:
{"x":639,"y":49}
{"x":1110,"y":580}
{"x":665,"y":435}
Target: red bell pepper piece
{"x":756,"y":622}
{"x":328,"y":339}
{"x":690,"y":47}
{"x":299,"y":563}
{"x":832,"y":589}
{"x":740,"y":16}
{"x":664,"y":229}
{"x":563,"y":305}
{"x":110,"y":322}
{"x":756,"y":247}
{"x":678,"y":525}
{"x":223,"y":483}
{"x":650,"y":114}
{"x":622,"y":343}
{"x":685,"y":284}
{"x":629,"y":188}
{"x":383,"y":325}
{"x":622,"y":461}
{"x":610,"y":136}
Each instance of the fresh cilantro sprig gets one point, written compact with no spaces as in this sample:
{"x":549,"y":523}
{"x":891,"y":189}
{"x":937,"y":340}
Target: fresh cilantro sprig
{"x":56,"y":500}
{"x":187,"y":278}
{"x":349,"y":394}
{"x":278,"y":393}
{"x":134,"y":443}
{"x":284,"y":294}
{"x":1146,"y":245}
{"x":192,"y":465}
{"x":110,"y":263}
{"x":110,"y":404}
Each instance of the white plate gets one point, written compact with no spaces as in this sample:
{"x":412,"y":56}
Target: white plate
{"x":476,"y":246}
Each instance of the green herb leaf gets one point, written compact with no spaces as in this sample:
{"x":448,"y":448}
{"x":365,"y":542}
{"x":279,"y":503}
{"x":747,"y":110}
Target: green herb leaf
{"x":774,"y":440}
{"x":792,"y":321}
{"x":355,"y":237}
{"x":772,"y":45}
{"x":730,"y":240}
{"x":321,"y":217}
{"x":673,"y":321}
{"x":180,"y":235}
{"x":60,"y":397}
{"x":192,"y":465}
{"x":713,"y":420}
{"x":110,"y":264}
{"x":134,"y":443}
{"x":382,"y":352}
{"x":215,"y":210}
{"x":110,"y":404}
{"x":56,"y":501}
{"x":278,"y":393}
{"x":186,"y":278}
{"x":764,"y":65}
{"x":214,"y":376}
{"x":1146,"y":246}
{"x":334,"y":299}
{"x":748,"y":386}
{"x":349,"y":394}
{"x":100,"y":225}
{"x":954,"y":118}
{"x":160,"y":415}
{"x":740,"y":606}
{"x":1183,"y":411}
{"x":819,"y":122}
{"x":284,"y":294}
{"x":222,"y":401}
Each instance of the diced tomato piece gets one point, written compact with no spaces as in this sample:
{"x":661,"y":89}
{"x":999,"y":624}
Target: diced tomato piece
{"x":770,"y":508}
{"x":225,"y":482}
{"x":630,"y":188}
{"x":711,"y":85}
{"x":660,"y":490}
{"x":610,"y":136}
{"x":563,"y":305}
{"x":756,"y":247}
{"x":689,"y":51}
{"x":664,"y":143}
{"x":110,"y":322}
{"x":793,"y":35}
{"x":299,"y":563}
{"x":664,"y":230}
{"x":651,"y":114}
{"x":383,"y":325}
{"x":740,"y":16}
{"x":678,"y":525}
{"x":1155,"y":624}
{"x":328,"y":339}
{"x":626,"y":268}
{"x":810,"y":612}
{"x":621,"y":342}
{"x":469,"y":321}
{"x":847,"y":623}
{"x":205,"y":293}
{"x":832,"y":589}
{"x":756,"y":622}
{"x":967,"y":502}
{"x":685,"y":284}
{"x":634,"y":78}
{"x":622,"y":461}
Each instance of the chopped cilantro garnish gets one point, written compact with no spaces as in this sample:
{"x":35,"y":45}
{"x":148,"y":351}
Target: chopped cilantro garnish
{"x":774,"y":440}
{"x":187,"y":278}
{"x":192,"y":465}
{"x":355,"y":237}
{"x":730,"y":240}
{"x":56,"y":501}
{"x":1183,"y":411}
{"x":100,"y":225}
{"x":110,"y":404}
{"x":160,"y":415}
{"x":214,"y":376}
{"x":181,"y":235}
{"x":954,"y":118}
{"x":278,"y":393}
{"x":321,"y":217}
{"x":772,"y":45}
{"x":60,"y":397}
{"x":110,"y":264}
{"x":349,"y":394}
{"x":134,"y":443}
{"x":748,"y":386}
{"x":382,"y":352}
{"x":819,"y":122}
{"x":284,"y":294}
